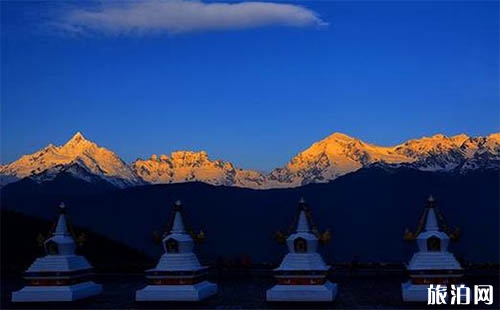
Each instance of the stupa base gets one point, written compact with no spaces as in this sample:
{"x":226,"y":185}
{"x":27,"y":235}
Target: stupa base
{"x":302,"y":293}
{"x":418,"y":292}
{"x":196,"y":292}
{"x":414,"y":292}
{"x":57,"y":293}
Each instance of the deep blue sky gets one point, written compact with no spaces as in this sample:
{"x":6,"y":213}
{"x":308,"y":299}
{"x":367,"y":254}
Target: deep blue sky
{"x":383,"y":72}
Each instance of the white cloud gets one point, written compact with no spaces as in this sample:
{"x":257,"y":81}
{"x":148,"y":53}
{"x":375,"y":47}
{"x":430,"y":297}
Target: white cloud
{"x":180,"y":16}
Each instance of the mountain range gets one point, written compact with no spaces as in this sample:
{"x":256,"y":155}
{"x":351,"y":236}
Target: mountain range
{"x":367,"y":194}
{"x":324,"y":161}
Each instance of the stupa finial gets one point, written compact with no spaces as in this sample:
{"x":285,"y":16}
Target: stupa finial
{"x":302,"y":204}
{"x":62,"y":208}
{"x":431,"y":201}
{"x":178,"y":205}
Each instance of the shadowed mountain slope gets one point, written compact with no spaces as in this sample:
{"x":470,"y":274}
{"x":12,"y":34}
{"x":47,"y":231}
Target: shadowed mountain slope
{"x":20,"y":246}
{"x":367,"y":212}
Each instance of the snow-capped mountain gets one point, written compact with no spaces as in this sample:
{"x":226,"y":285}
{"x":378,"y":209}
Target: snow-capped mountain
{"x":78,"y":157}
{"x":334,"y":156}
{"x":330,"y":158}
{"x":186,"y":166}
{"x":339,"y":154}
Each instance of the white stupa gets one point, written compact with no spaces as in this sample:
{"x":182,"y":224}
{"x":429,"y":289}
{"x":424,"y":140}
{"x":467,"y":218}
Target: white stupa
{"x":432,"y":264}
{"x":178,"y":276}
{"x":302,"y":274}
{"x":60,"y":276}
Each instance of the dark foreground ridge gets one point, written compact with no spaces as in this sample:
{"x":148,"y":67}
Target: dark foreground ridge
{"x":366,"y":211}
{"x":19,"y":246}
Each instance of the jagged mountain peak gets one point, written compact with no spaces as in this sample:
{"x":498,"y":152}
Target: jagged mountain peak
{"x":428,"y":139}
{"x":460,"y":138}
{"x":435,"y":143}
{"x":339,"y":136}
{"x":332,"y":145}
{"x":494,"y":136}
{"x":155,"y":157}
{"x":337,"y":139}
{"x":52,"y":160}
{"x":441,"y":138}
{"x":79,"y":142}
{"x":185,"y":166}
{"x":77,"y":137}
{"x":50,"y":146}
{"x":189,"y":156}
{"x":181,"y":158}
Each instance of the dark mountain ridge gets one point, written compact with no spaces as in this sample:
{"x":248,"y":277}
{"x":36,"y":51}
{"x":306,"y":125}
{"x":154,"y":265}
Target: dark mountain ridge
{"x":367,"y":212}
{"x":20,"y":252}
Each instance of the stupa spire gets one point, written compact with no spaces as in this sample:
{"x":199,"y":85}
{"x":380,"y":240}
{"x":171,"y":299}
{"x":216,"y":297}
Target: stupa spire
{"x":302,"y":223}
{"x":431,"y":222}
{"x":62,"y":226}
{"x":178,"y":224}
